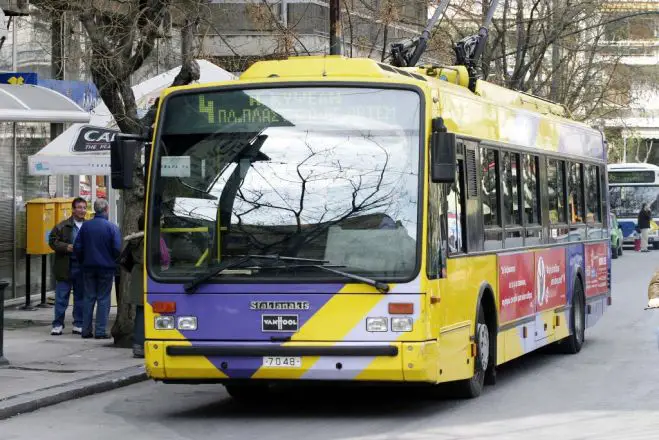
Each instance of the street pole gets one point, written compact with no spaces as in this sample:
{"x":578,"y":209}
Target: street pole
{"x":335,"y":27}
{"x":3,"y":359}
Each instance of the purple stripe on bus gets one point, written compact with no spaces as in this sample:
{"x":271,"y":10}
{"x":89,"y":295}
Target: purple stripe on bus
{"x":228,"y":317}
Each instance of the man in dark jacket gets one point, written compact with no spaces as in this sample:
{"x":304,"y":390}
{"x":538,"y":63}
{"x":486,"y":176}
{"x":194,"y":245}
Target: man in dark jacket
{"x":66,"y":268}
{"x":97,"y":248}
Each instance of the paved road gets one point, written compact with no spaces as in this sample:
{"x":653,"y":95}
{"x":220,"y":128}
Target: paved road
{"x":608,"y":391}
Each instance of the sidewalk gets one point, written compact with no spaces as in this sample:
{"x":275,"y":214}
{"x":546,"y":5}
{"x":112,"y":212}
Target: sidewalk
{"x":45,"y":370}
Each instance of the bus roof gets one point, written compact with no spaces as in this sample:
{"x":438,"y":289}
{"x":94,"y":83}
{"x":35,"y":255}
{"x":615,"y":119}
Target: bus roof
{"x":492,"y":113}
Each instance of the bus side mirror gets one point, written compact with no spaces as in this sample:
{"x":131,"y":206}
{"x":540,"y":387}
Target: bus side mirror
{"x":123,"y":152}
{"x":442,"y":157}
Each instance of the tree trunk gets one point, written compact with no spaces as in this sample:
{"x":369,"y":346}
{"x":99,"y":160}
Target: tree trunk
{"x":133,"y":201}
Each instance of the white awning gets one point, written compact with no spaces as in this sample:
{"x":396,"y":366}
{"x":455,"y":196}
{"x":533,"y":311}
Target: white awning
{"x":30,"y":103}
{"x":60,"y":156}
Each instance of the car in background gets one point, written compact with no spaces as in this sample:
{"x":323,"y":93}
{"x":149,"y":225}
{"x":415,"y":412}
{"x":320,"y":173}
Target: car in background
{"x":617,"y":236}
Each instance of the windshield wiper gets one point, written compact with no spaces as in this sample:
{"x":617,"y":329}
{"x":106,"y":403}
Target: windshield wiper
{"x":318,"y":264}
{"x":215,"y":271}
{"x":321,"y":264}
{"x":382,"y":287}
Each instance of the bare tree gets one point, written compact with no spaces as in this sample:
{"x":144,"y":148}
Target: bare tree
{"x":558,"y":49}
{"x":121,"y":35}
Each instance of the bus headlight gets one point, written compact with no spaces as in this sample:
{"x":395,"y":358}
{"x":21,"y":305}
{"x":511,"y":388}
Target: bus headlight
{"x":187,"y":323}
{"x":401,"y":324}
{"x":376,"y":325}
{"x":164,"y":323}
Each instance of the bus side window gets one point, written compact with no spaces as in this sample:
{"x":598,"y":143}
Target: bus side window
{"x":593,"y":211}
{"x":490,"y":199}
{"x":512,"y":200}
{"x":437,"y":242}
{"x":558,"y":231}
{"x":456,"y":213}
{"x":532,"y":212}
{"x":576,"y":206}
{"x":603,"y":199}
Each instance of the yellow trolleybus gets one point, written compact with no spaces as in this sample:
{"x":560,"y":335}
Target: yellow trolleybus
{"x":335,"y":219}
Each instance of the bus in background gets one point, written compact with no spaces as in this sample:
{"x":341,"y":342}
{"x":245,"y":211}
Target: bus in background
{"x":631,"y":185}
{"x":339,"y":219}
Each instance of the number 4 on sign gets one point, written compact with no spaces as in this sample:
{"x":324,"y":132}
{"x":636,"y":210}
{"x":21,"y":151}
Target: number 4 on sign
{"x":209,"y":108}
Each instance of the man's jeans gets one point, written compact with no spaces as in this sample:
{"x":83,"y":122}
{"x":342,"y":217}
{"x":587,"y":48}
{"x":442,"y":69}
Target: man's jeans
{"x":62,"y":294}
{"x":98,"y":289}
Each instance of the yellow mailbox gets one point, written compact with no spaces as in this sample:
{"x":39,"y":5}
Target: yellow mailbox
{"x":63,"y":208}
{"x":40,"y":221}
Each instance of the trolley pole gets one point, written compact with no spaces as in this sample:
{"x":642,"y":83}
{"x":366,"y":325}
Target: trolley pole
{"x":335,"y":27}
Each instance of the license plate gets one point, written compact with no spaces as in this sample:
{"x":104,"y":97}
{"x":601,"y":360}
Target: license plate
{"x":282,"y":362}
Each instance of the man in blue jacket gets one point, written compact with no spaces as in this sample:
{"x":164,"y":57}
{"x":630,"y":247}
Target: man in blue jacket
{"x":97,"y":248}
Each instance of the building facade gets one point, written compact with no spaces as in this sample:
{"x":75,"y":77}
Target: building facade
{"x":634,"y":117}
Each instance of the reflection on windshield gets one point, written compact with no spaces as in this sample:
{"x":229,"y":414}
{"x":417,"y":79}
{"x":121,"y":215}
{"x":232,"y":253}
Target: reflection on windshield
{"x":342,"y":188}
{"x":626,"y":201}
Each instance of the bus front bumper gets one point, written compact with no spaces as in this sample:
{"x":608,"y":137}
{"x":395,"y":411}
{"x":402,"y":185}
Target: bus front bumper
{"x":191,"y":362}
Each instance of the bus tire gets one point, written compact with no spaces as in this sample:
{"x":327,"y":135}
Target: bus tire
{"x":573,"y":343}
{"x":473,"y":387}
{"x":247,"y":393}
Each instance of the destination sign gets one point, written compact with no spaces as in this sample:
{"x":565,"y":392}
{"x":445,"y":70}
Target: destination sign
{"x":254,"y":110}
{"x":631,"y":177}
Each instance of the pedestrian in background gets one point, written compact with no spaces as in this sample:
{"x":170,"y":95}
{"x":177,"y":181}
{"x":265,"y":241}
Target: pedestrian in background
{"x":644,"y":219}
{"x":67,"y":268}
{"x":97,"y":248}
{"x":132,"y":260}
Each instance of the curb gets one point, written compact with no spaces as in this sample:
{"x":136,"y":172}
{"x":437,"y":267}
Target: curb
{"x":32,"y":401}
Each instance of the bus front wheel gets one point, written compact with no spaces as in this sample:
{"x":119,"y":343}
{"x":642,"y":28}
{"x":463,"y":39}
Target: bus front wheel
{"x":473,"y":387}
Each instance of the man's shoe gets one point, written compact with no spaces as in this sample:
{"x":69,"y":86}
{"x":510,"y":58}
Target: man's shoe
{"x":86,"y":335}
{"x":138,"y":351}
{"x":101,"y":337}
{"x":57,"y":330}
{"x":77,"y":330}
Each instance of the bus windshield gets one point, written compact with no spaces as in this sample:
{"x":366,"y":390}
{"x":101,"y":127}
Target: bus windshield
{"x":323,"y":173}
{"x":626,"y":201}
